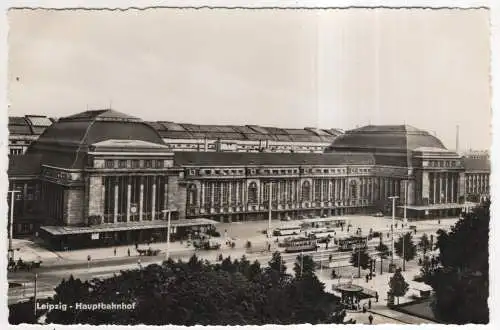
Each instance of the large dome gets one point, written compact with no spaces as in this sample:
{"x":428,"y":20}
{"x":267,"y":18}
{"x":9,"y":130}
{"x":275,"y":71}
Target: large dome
{"x":400,"y":138}
{"x":65,"y":142}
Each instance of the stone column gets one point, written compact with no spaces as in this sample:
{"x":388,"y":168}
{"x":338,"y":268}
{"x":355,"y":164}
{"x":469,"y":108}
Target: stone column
{"x":329,"y":197}
{"x":447,"y":194}
{"x":141,"y":201}
{"x":103,"y":194}
{"x":461,"y":185}
{"x":425,"y":185}
{"x":153,"y":202}
{"x":129,"y":191}
{"x":346,"y":188}
{"x":212,"y":189}
{"x":229,"y":192}
{"x":321,"y":194}
{"x":165,"y":200}
{"x":452,"y":183}
{"x":221,"y":193}
{"x":441,"y":185}
{"x":115,"y":211}
{"x":411,"y":192}
{"x":342,"y":189}
{"x":237,"y":192}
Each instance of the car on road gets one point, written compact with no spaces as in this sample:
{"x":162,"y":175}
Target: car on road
{"x":379,"y":214}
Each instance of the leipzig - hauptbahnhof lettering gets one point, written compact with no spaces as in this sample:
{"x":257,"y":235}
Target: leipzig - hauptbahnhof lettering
{"x":103,"y":177}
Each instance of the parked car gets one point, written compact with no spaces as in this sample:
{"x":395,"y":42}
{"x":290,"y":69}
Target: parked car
{"x":379,"y":214}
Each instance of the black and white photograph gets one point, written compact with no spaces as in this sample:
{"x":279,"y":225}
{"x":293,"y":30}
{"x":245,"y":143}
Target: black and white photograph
{"x":248,"y":166}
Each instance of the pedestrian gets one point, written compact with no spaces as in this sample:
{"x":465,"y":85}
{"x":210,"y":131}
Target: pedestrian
{"x":136,"y":245}
{"x":115,"y":252}
{"x":370,"y":318}
{"x":330,"y":257}
{"x":369,"y":304}
{"x":367,"y":277}
{"x":376,"y":296}
{"x":128,"y":252}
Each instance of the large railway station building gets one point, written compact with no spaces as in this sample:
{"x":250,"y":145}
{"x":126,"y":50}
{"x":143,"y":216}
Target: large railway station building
{"x":103,"y":177}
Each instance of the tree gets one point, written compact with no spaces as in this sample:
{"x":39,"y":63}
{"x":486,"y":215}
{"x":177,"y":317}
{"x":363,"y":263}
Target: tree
{"x":426,"y":270}
{"x":461,"y":284}
{"x":397,"y":285}
{"x":304,"y":266}
{"x":410,"y":250}
{"x":424,"y":244}
{"x":362,"y":256}
{"x":276,"y":270}
{"x":383,"y":250}
{"x":197,"y":292}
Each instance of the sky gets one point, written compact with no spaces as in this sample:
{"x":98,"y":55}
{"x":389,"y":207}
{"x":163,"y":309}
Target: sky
{"x":284,"y":68}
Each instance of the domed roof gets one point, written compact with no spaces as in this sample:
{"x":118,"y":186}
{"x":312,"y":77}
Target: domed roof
{"x":399,"y":138}
{"x":63,"y":143}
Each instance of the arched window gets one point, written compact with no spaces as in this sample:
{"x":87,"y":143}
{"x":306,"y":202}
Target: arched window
{"x":252,"y":193}
{"x":306,"y":191}
{"x":353,"y":189}
{"x":192,"y":195}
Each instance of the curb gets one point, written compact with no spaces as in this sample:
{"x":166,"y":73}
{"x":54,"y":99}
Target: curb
{"x":389,"y":317}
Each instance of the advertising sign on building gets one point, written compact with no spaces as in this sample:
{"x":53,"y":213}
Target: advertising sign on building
{"x":94,"y":236}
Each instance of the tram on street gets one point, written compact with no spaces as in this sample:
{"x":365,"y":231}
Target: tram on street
{"x":287,"y":231}
{"x":301,"y":245}
{"x":349,"y":243}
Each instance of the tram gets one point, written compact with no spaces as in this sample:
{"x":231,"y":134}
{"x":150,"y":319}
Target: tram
{"x":301,"y":245}
{"x":349,"y":243}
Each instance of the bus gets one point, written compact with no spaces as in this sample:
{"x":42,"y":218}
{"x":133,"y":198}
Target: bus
{"x":324,"y":224}
{"x":301,"y":245}
{"x":349,"y":243}
{"x":287,"y":231}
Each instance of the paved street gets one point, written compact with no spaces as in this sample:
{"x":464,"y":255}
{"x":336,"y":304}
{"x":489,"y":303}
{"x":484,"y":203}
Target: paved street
{"x":104,"y":263}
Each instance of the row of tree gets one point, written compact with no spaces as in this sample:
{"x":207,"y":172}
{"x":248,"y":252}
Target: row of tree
{"x":461,"y":279}
{"x":233,"y":292}
{"x":404,"y":248}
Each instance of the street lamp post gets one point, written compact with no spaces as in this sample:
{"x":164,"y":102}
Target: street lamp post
{"x":357,"y":247}
{"x":405,"y":202}
{"x":11,"y":227}
{"x":34,"y":296}
{"x":403,"y":250}
{"x":393,"y":198}
{"x":169,"y":212}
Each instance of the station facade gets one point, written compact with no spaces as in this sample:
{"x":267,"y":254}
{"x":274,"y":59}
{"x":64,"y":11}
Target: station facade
{"x":103,"y":177}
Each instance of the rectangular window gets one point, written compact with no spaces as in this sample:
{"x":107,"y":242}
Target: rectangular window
{"x":135,"y":163}
{"x":110,"y":163}
{"x":122,"y":163}
{"x":158,"y":163}
{"x":147,"y":163}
